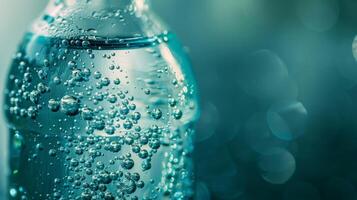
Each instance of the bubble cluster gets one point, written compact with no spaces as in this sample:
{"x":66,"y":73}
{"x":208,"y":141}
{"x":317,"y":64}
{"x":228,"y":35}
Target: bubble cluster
{"x":99,"y":132}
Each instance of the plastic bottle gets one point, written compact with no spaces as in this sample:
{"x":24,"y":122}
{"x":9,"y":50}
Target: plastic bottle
{"x":100,"y":103}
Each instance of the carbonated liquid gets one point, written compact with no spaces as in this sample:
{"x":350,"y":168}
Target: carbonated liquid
{"x":99,"y":118}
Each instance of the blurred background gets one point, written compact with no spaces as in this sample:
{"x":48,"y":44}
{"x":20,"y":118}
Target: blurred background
{"x":278,"y":82}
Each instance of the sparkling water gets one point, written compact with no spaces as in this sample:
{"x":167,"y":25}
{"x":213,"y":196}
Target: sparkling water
{"x":99,"y":118}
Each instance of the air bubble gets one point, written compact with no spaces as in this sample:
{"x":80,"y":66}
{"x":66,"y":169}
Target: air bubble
{"x":53,"y":105}
{"x":156,"y":113}
{"x":70,"y":105}
{"x":177,"y":114}
{"x":87,"y":113}
{"x":117,"y":81}
{"x":127,"y":163}
{"x":52,"y":152}
{"x":72,"y":64}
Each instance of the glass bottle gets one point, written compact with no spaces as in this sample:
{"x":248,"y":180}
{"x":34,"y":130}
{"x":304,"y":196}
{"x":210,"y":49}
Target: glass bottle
{"x":100,"y":103}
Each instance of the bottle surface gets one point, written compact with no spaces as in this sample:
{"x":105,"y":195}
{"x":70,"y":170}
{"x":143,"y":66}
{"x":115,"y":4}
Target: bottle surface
{"x":93,"y":117}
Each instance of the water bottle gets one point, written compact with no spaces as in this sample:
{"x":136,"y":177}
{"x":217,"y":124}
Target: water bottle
{"x":100,"y":103}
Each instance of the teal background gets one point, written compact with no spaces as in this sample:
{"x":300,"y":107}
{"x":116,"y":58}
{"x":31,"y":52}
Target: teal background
{"x":278,"y":90}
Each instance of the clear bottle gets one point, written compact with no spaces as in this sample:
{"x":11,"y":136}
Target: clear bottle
{"x":100,"y":103}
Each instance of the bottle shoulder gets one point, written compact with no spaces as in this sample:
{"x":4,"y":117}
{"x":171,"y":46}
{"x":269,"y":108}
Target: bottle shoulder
{"x":106,"y":22}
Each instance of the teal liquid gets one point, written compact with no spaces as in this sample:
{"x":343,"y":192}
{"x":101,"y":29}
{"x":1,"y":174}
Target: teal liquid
{"x":100,"y":119}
